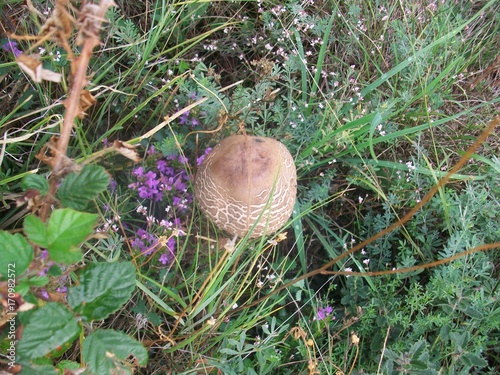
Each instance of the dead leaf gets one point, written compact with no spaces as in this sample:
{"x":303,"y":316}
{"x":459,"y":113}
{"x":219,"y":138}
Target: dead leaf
{"x":127,"y":150}
{"x":47,"y":155}
{"x":90,"y":19}
{"x":31,"y":198}
{"x":87,"y":100}
{"x":32,"y":66}
{"x":59,"y":25}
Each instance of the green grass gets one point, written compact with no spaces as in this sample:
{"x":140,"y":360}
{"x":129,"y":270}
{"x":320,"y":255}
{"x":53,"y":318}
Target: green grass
{"x":374,"y":101}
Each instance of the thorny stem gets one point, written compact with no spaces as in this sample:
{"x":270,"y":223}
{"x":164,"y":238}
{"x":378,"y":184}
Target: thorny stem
{"x":79,"y":81}
{"x":95,"y":15}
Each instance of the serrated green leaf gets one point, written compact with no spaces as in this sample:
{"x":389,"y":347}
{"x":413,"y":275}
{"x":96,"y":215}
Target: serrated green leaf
{"x":50,"y":326}
{"x":38,"y":281}
{"x":417,"y":349}
{"x":78,"y":189}
{"x":473,"y":312}
{"x":23,"y":287}
{"x":16,"y":255}
{"x":103,"y":289}
{"x":36,"y":230}
{"x":35,"y":181}
{"x":54,"y":271}
{"x":69,"y":365}
{"x":105,"y":351}
{"x":418,"y":365}
{"x":67,"y":228}
{"x":69,"y":256}
{"x":30,"y":368}
{"x":474,"y":360}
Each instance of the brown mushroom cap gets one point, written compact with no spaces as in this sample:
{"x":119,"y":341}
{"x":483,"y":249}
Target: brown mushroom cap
{"x":246,"y":179}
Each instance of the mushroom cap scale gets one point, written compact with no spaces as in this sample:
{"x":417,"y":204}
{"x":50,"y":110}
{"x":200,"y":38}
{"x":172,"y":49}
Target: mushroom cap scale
{"x":247,"y":182}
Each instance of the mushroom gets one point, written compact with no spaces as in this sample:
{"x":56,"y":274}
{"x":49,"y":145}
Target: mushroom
{"x":247,"y":184}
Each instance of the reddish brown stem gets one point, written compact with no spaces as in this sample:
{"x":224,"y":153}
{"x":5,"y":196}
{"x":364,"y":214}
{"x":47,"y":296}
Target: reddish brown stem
{"x":89,"y":31}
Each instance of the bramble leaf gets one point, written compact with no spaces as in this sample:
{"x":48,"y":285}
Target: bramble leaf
{"x":35,"y":368}
{"x":16,"y":255}
{"x":105,"y":352}
{"x":67,"y":228}
{"x":78,"y":189}
{"x":67,"y":365}
{"x":35,"y":181}
{"x":36,"y":230}
{"x":103,"y":289}
{"x":48,"y":327}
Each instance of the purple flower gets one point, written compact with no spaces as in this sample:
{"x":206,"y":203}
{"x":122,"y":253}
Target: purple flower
{"x":193,"y":95}
{"x":147,"y":185}
{"x":12,"y":47}
{"x":171,"y":244}
{"x":323,"y":312}
{"x":183,"y":159}
{"x":176,"y":201}
{"x":138,"y":172}
{"x":144,"y":242}
{"x":184,"y":119}
{"x":166,"y":183}
{"x":62,"y":289}
{"x":138,"y":244}
{"x":151,"y":180}
{"x":169,"y":171}
{"x":168,"y":256}
{"x":164,"y":258}
{"x":179,"y":185}
{"x":44,"y":294}
{"x":202,"y":157}
{"x":146,"y":193}
{"x":112,"y":185}
{"x":145,"y":235}
{"x":161,"y":165}
{"x":194,"y":122}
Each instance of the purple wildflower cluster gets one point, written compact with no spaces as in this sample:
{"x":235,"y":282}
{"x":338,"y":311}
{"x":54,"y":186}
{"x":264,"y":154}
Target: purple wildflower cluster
{"x":47,"y":263}
{"x":162,"y":178}
{"x":184,"y":119}
{"x":147,"y":243}
{"x":323,"y":312}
